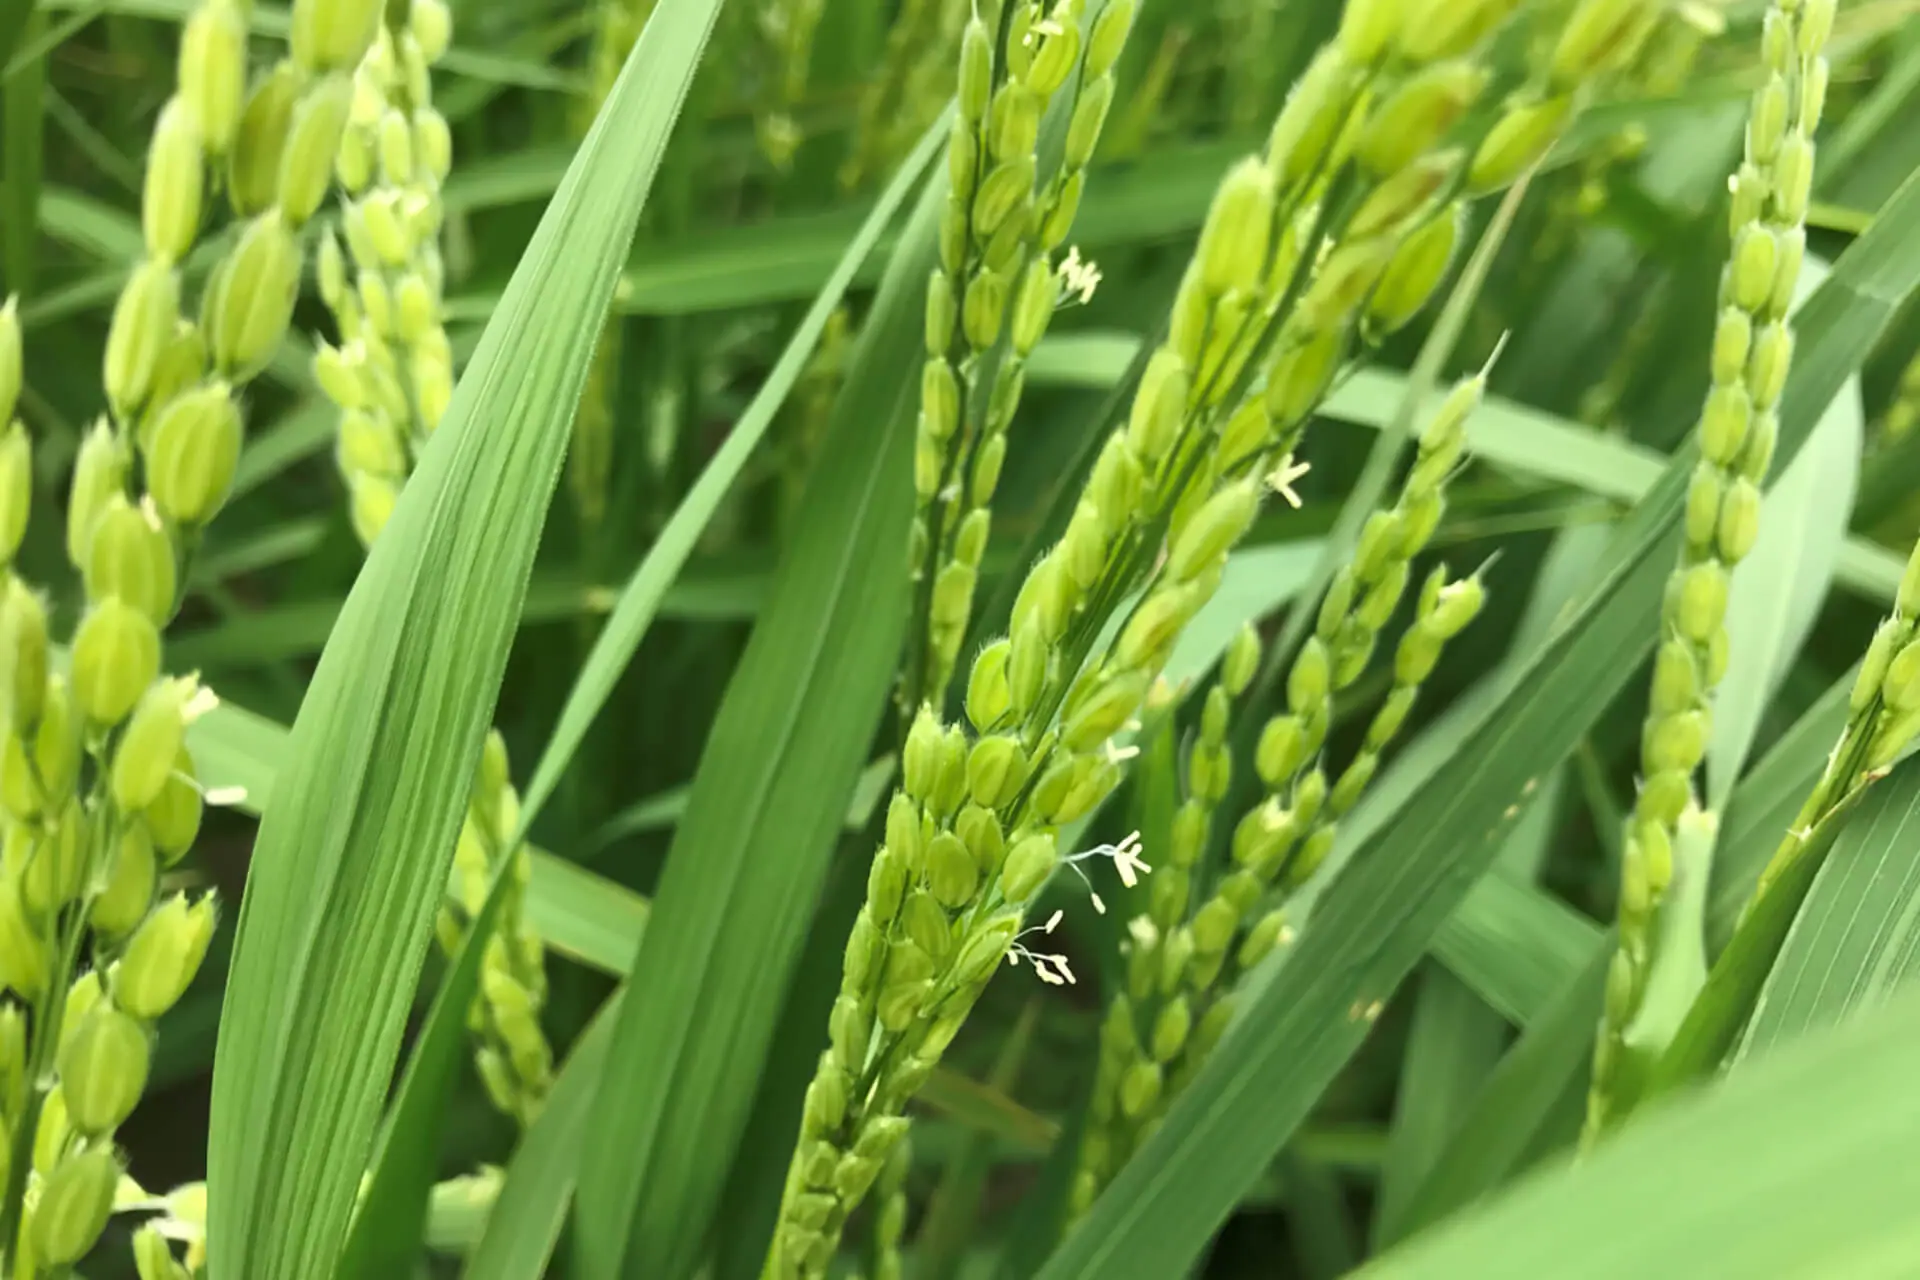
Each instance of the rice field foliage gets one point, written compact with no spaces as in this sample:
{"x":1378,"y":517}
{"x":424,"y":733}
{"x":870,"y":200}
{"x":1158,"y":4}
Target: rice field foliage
{"x":772,"y":639}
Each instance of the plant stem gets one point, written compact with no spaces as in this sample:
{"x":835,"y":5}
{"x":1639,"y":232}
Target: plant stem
{"x":47,"y":1014}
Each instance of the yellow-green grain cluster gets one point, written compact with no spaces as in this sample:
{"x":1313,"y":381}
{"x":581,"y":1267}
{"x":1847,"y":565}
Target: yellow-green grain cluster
{"x":180,"y":1217}
{"x":1752,"y":350}
{"x":392,"y":374}
{"x":1182,"y":966}
{"x":996,"y":279}
{"x":1354,"y":194}
{"x":1883,"y":717}
{"x":1661,"y":70}
{"x":392,"y":377}
{"x":96,"y":782}
{"x":514,"y":1059}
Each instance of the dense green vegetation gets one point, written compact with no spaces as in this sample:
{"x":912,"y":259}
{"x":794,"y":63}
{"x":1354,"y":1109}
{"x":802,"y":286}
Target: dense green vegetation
{"x":1093,"y":638}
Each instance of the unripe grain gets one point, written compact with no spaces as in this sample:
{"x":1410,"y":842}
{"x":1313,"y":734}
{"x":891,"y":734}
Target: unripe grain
{"x":116,"y":654}
{"x":213,"y":71}
{"x":195,"y":450}
{"x":170,"y":204}
{"x":143,"y":321}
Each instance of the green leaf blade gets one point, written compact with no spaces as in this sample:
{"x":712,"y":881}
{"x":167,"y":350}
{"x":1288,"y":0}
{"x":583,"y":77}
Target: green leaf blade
{"x":1853,"y":942}
{"x":353,"y":851}
{"x":531,"y":1210}
{"x":1803,"y":1167}
{"x":1301,"y":1019}
{"x":641,"y":598}
{"x":748,"y":860}
{"x":387,"y":1229}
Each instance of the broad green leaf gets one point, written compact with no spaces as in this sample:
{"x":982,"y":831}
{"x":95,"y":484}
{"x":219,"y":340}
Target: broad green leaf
{"x":640,"y":600}
{"x":13,"y":25}
{"x":1542,"y":1076}
{"x":584,"y":916}
{"x":1853,"y":942}
{"x":577,"y":913}
{"x":1714,"y":1021}
{"x":388,"y":1226}
{"x":353,"y":850}
{"x":1802,"y":1167}
{"x":1307,"y":1011}
{"x":1453,"y":1041}
{"x":633,"y":612}
{"x":1779,"y":588}
{"x":1766,"y":803}
{"x":302,"y":628}
{"x":1512,"y":943}
{"x":748,"y":860}
{"x":531,"y":1209}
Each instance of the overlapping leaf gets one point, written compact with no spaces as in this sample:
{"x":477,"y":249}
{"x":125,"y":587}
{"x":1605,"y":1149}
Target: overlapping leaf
{"x":353,"y":849}
{"x":1311,"y":1008}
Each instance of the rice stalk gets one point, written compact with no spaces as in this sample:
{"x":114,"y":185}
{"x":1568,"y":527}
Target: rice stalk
{"x":1183,"y":966}
{"x":1668,"y":834}
{"x":996,"y":279}
{"x":971,"y":835}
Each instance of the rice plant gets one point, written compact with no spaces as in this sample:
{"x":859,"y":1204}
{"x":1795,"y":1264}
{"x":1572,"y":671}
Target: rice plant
{"x":896,"y":638}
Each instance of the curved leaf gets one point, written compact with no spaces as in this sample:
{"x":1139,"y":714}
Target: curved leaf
{"x":1309,"y":1009}
{"x":748,"y":859}
{"x":1802,"y":1167}
{"x":1857,"y":937}
{"x":353,"y":850}
{"x":531,"y":1208}
{"x":386,"y":1233}
{"x":641,"y":598}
